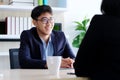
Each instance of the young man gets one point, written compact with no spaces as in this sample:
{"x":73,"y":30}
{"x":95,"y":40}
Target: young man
{"x":42,"y":41}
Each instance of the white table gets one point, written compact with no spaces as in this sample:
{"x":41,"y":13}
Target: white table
{"x":36,"y":74}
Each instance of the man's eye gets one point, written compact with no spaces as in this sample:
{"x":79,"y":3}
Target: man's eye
{"x":44,"y":19}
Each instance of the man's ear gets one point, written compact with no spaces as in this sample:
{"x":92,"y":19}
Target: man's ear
{"x":34,"y":22}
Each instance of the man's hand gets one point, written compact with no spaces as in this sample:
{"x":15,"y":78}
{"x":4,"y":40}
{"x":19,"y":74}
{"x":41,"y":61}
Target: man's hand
{"x":67,"y":63}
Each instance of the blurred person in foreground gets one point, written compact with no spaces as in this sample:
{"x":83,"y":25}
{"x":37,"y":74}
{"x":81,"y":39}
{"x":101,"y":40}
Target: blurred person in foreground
{"x":98,"y":56}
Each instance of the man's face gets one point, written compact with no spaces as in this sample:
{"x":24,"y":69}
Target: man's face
{"x":44,"y":23}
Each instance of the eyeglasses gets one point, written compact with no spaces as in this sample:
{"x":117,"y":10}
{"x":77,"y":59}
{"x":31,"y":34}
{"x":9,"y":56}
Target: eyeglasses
{"x":45,"y":20}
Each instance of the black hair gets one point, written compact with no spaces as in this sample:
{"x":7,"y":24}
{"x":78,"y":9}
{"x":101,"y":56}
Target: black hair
{"x":111,"y":7}
{"x":38,"y":10}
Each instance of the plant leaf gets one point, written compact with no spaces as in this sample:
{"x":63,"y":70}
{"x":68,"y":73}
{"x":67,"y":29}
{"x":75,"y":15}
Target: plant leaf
{"x":78,"y":23}
{"x":79,"y":26}
{"x":76,"y":42}
{"x":85,"y":22}
{"x":78,"y":39}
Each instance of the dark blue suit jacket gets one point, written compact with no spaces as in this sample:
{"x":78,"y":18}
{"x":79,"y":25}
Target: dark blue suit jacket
{"x":30,"y":53}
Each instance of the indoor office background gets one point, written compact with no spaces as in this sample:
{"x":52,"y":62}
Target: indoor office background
{"x":75,"y":10}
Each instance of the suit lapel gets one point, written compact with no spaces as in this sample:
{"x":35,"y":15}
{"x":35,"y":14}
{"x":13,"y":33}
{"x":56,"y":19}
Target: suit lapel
{"x":54,"y":41}
{"x":41,"y":50}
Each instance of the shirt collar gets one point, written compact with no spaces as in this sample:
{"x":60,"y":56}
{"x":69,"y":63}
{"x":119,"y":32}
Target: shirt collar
{"x":48,"y":40}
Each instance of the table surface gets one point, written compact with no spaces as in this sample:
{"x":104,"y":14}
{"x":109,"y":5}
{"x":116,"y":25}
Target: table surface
{"x":36,"y":74}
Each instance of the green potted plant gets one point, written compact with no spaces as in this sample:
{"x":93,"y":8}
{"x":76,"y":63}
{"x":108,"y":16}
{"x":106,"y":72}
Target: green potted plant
{"x":81,"y":27}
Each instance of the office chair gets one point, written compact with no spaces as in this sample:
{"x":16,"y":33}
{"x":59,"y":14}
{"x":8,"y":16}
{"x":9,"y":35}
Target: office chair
{"x":14,"y":59}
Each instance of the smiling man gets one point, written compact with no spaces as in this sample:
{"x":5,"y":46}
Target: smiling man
{"x":42,"y":41}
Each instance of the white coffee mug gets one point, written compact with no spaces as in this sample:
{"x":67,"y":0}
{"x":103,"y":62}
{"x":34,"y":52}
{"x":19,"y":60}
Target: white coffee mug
{"x":53,"y":64}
